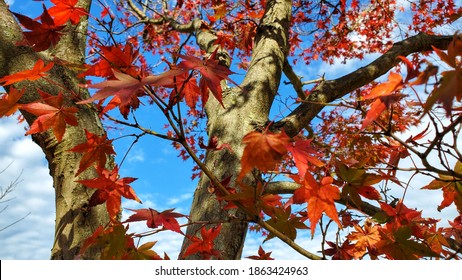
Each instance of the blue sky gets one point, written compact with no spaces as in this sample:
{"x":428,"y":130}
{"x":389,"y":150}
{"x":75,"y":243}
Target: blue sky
{"x":163,"y":181}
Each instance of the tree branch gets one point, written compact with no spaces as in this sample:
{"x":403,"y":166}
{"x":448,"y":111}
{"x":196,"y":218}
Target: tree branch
{"x":285,"y":187}
{"x":329,"y":90}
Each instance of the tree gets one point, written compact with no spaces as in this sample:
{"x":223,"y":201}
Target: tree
{"x":339,"y":142}
{"x":5,"y":191}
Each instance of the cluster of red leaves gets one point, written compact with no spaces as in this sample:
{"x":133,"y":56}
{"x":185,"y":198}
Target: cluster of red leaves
{"x":396,"y":233}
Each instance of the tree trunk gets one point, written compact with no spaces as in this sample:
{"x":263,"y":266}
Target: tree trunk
{"x":244,"y":109}
{"x":75,"y":221}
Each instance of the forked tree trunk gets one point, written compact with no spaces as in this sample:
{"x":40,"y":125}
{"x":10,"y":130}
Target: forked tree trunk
{"x":244,"y":109}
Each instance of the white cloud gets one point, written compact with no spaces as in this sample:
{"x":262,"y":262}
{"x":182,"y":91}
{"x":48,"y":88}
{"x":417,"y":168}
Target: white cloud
{"x":136,"y":156}
{"x":32,"y":237}
{"x":10,"y":2}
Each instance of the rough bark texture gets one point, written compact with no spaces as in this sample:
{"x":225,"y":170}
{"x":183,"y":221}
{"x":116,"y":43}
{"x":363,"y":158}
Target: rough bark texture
{"x":244,"y":107}
{"x":74,"y":220}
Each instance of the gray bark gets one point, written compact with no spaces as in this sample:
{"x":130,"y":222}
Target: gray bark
{"x":74,"y":220}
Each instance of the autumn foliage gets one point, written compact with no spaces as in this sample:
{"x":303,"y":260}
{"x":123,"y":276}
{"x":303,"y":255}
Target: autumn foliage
{"x":341,"y":167}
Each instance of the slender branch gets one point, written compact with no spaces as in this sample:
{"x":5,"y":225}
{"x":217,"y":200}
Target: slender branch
{"x":294,"y":79}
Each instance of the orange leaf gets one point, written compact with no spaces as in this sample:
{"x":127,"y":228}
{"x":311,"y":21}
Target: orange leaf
{"x":366,"y":237}
{"x":395,"y":82}
{"x":51,"y":114}
{"x":38,"y":71}
{"x":263,"y":150}
{"x":320,"y":198}
{"x":9,"y":102}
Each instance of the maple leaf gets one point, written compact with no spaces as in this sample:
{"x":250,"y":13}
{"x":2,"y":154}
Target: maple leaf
{"x":252,"y":199}
{"x":51,"y":114}
{"x":263,"y":150}
{"x":384,"y":97}
{"x":184,"y":86}
{"x":401,"y":215}
{"x":320,"y":198}
{"x":38,"y":71}
{"x":212,"y":74}
{"x":286,"y":223}
{"x":95,"y":149}
{"x":144,"y":252}
{"x":303,"y":154}
{"x":114,"y":57}
{"x":358,"y":183}
{"x":213,"y":145}
{"x":451,"y":187}
{"x":366,"y":237}
{"x":125,"y":87}
{"x":154,"y":219}
{"x":346,"y":251}
{"x":115,"y":243}
{"x":65,"y":10}
{"x":436,"y":240}
{"x":262,"y":255}
{"x":396,"y":243}
{"x":43,"y":34}
{"x":204,"y":246}
{"x":450,"y":85}
{"x":9,"y":102}
{"x":110,"y":189}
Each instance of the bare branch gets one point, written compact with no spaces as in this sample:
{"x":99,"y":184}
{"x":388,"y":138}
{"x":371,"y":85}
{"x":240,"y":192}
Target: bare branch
{"x":330,"y":90}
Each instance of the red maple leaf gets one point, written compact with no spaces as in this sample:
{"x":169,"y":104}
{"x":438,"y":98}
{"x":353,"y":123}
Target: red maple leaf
{"x":204,"y":246}
{"x":43,"y":34}
{"x":262,"y":255}
{"x":154,"y":219}
{"x":51,"y":114}
{"x":185,"y":87}
{"x":9,"y":102}
{"x":114,"y":57}
{"x":65,"y":10}
{"x":320,"y":198}
{"x":110,"y":189}
{"x":38,"y":71}
{"x":263,"y":150}
{"x":303,"y":154}
{"x":212,"y":74}
{"x":95,"y":149}
{"x":125,"y":87}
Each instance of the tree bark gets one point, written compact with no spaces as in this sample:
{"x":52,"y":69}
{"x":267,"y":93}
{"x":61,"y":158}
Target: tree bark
{"x":75,"y":221}
{"x":244,"y":108}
